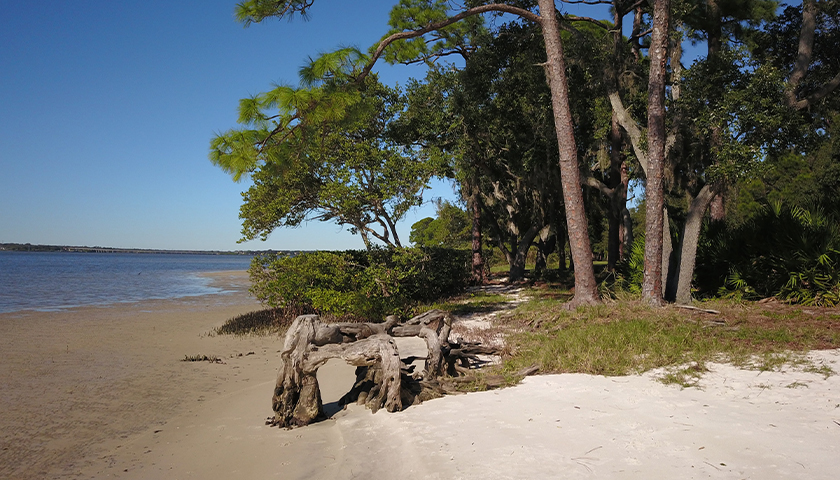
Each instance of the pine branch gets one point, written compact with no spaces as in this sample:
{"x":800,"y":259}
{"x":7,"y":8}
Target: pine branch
{"x":495,"y":7}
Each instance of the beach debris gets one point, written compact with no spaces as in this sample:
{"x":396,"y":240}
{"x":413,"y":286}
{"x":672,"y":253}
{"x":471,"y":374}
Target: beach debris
{"x":202,"y":358}
{"x":383,"y":380}
{"x":696,"y":309}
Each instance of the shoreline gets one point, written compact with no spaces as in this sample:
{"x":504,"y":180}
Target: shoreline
{"x":102,"y":392}
{"x":227,"y":281}
{"x":74,"y":382}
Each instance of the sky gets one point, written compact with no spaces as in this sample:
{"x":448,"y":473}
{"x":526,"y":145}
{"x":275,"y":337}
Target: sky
{"x":107,"y":109}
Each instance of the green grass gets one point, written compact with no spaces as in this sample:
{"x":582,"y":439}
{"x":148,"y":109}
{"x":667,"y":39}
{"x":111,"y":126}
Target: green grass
{"x":628,"y":337}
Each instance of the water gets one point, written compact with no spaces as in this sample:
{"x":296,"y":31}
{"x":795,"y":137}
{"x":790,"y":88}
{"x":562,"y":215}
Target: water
{"x":58,"y":280}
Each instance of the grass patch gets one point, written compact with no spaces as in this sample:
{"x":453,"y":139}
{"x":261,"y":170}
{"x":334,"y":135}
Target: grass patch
{"x":269,"y":321}
{"x":629,"y":337}
{"x":261,"y":322}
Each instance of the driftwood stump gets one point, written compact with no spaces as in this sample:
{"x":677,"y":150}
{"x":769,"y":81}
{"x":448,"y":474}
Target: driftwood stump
{"x":382,"y":379}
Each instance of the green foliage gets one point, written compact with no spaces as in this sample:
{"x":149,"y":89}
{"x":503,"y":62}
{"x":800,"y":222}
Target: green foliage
{"x":803,"y":180}
{"x":629,"y":272}
{"x":792,"y":253}
{"x":410,"y":15}
{"x":628,"y":337}
{"x":451,"y":229}
{"x":338,"y":165}
{"x":367,"y":284}
{"x":255,"y":11}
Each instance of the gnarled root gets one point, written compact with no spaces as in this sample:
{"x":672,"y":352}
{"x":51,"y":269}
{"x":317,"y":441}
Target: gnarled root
{"x":382,"y":379}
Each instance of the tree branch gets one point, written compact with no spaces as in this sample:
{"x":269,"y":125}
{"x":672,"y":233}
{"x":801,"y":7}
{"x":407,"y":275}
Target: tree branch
{"x":803,"y":61}
{"x":576,"y":18}
{"x":593,"y":182}
{"x":806,"y":47}
{"x":815,"y":97}
{"x":493,"y":7}
{"x":640,"y":35}
{"x":629,"y":125}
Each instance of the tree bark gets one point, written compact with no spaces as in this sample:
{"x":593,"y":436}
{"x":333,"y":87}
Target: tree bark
{"x":652,"y":283}
{"x":688,"y":246}
{"x":586,"y":289}
{"x":477,"y":257}
{"x":561,"y":248}
{"x":627,"y":222}
{"x":520,"y":255}
{"x":618,"y":199}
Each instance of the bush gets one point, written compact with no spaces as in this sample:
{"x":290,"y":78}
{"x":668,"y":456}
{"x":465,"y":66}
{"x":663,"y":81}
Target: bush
{"x":789,"y":252}
{"x":362,"y":283}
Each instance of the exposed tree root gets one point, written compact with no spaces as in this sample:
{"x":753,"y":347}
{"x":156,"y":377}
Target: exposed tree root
{"x":383,"y":380}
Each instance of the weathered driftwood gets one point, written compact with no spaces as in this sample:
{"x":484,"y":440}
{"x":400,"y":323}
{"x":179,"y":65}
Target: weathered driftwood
{"x":383,"y":380}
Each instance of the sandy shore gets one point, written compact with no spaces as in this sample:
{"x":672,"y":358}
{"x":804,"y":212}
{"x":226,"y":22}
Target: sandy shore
{"x":103,"y":393}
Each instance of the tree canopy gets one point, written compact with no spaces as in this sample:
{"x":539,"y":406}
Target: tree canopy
{"x":543,"y":104}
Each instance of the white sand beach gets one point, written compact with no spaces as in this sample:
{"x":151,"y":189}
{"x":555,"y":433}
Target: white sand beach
{"x":103,"y":393}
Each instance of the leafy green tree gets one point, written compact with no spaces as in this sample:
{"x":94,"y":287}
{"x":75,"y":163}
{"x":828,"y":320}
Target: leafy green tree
{"x":451,"y":228}
{"x":346,"y":170}
{"x":748,"y":109}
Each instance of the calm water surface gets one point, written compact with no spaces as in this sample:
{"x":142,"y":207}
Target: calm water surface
{"x":58,"y":280}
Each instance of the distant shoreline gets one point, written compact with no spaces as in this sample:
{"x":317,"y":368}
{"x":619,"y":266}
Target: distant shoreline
{"x":26,"y":247}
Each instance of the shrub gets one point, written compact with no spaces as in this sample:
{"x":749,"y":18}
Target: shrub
{"x":630,"y":271}
{"x":792,"y":253}
{"x":362,"y":283}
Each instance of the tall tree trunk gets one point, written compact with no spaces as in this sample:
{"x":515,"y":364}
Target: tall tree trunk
{"x":652,"y":283}
{"x":637,"y":30}
{"x":626,"y":221}
{"x":477,"y":258}
{"x":586,"y":290}
{"x":670,"y":264}
{"x":618,"y":199}
{"x":540,"y":264}
{"x":714,"y":37}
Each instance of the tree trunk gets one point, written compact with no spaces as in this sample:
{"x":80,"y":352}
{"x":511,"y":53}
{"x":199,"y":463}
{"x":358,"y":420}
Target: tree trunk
{"x":520,"y":255}
{"x":626,"y":221}
{"x":670,"y":264}
{"x":618,"y":199}
{"x":586,"y":289}
{"x":541,"y":263}
{"x":561,"y":247}
{"x":717,"y":212}
{"x":477,"y":258}
{"x":652,"y":283}
{"x":688,"y":246}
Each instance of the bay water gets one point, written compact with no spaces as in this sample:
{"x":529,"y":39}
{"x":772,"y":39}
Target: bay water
{"x":46,"y":281}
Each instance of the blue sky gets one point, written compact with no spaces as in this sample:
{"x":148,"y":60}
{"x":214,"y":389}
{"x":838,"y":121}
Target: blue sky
{"x":107,"y":109}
